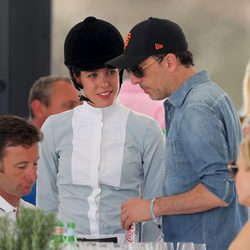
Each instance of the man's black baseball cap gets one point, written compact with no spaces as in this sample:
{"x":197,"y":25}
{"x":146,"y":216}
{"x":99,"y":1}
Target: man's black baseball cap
{"x":150,"y":37}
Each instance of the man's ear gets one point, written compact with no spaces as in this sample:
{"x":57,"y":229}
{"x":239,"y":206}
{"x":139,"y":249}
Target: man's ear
{"x":171,"y":61}
{"x":38,"y":108}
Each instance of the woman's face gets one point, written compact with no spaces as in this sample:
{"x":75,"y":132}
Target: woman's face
{"x":101,"y":86}
{"x":243,"y":182}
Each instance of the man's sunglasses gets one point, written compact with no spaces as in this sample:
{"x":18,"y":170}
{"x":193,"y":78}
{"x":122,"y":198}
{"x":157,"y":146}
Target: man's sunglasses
{"x":137,"y":70}
{"x":233,"y":169}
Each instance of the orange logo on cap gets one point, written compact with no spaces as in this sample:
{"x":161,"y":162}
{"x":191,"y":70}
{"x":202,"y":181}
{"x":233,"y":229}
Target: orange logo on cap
{"x":127,"y":40}
{"x":158,"y":46}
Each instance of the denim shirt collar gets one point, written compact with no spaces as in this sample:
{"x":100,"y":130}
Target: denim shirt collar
{"x":178,"y":97}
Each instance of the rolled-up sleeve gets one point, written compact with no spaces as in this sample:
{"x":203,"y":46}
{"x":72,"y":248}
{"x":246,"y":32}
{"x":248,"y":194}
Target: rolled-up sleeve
{"x":206,"y":147}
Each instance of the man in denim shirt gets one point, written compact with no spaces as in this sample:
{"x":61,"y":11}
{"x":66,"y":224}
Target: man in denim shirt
{"x":202,"y":136}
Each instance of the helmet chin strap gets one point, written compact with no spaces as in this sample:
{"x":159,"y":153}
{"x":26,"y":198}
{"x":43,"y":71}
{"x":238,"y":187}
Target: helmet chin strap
{"x":83,"y":98}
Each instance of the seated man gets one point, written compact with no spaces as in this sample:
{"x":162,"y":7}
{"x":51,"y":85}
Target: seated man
{"x":18,"y":162}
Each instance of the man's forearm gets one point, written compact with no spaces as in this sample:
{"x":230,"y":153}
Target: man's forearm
{"x":196,"y":200}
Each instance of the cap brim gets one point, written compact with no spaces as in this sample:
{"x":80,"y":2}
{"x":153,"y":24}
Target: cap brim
{"x":125,"y":61}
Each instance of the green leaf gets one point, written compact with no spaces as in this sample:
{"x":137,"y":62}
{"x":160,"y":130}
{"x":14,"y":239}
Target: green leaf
{"x":33,"y":230}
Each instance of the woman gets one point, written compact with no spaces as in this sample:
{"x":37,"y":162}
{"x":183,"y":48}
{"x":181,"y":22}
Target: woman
{"x":242,"y":241}
{"x":245,"y":118}
{"x":99,"y":154}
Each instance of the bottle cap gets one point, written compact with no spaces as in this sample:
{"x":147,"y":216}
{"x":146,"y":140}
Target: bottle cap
{"x":72,"y":225}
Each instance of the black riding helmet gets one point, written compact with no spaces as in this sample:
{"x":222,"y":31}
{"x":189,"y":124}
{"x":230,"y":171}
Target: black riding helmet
{"x":89,"y":45}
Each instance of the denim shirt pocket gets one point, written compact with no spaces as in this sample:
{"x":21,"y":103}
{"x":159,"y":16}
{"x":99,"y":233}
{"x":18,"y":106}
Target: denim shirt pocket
{"x":179,"y":174}
{"x":171,"y":157}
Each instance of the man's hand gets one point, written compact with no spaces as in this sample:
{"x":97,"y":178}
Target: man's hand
{"x":134,"y":210}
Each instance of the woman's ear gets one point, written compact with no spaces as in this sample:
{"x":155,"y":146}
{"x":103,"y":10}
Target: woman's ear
{"x":77,"y":77}
{"x":77,"y":80}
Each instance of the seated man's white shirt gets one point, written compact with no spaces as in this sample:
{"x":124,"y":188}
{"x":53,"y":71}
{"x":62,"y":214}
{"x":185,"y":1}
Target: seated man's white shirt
{"x":6,"y":209}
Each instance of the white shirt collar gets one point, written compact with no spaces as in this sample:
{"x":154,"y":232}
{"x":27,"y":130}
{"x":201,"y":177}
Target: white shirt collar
{"x":6,"y":209}
{"x":6,"y":206}
{"x":98,"y":138}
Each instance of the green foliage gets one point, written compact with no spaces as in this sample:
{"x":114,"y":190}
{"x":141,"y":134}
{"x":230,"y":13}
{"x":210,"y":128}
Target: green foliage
{"x":7,"y":232}
{"x":33,"y":230}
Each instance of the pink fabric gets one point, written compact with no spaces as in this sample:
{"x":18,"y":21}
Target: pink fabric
{"x":133,"y":97}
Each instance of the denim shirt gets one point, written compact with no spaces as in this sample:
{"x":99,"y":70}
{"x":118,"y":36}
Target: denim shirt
{"x":203,"y":133}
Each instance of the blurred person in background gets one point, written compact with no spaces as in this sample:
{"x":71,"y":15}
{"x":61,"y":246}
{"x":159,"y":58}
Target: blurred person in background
{"x":241,"y":172}
{"x":49,"y":95}
{"x":245,"y":118}
{"x":99,"y":154}
{"x":19,"y":154}
{"x":203,"y":133}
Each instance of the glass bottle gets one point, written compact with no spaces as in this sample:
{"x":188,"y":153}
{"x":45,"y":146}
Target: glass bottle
{"x":58,"y":236}
{"x":71,"y":241}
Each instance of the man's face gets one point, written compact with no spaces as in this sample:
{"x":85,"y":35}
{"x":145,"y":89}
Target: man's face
{"x":63,"y":97}
{"x":156,"y":80}
{"x":19,"y":170}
